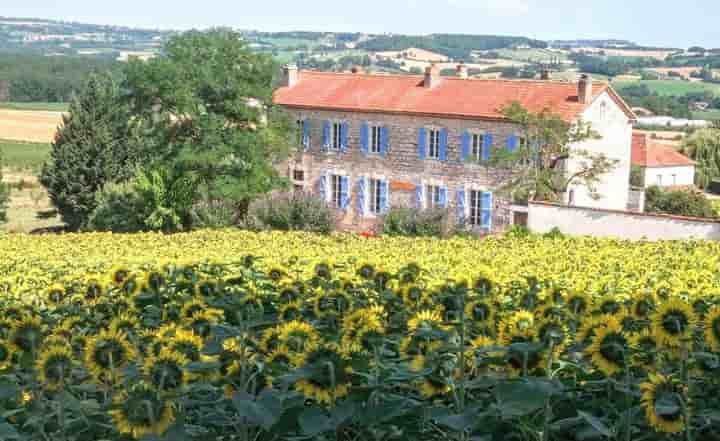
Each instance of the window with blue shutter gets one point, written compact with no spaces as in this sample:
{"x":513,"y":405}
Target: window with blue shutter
{"x":344,"y":192}
{"x":327,"y":138}
{"x":487,"y":145}
{"x":443,"y":145}
{"x":384,"y":140}
{"x":361,"y":198}
{"x":322,"y":188}
{"x":422,"y":142}
{"x":365,"y":138}
{"x":512,"y":143}
{"x":486,"y":210}
{"x":344,"y":132}
{"x":442,"y":200}
{"x":419,"y":196}
{"x":384,"y":197}
{"x":460,"y":206}
{"x":306,"y":134}
{"x":466,"y":139}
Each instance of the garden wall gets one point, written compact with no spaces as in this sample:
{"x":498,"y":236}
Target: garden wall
{"x":579,"y":221}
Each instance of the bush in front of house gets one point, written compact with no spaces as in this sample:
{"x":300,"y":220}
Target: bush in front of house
{"x":685,"y":202}
{"x":417,"y":223}
{"x":290,"y":212}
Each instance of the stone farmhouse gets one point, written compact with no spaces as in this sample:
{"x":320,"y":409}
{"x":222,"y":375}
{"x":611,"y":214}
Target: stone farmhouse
{"x":371,"y":142}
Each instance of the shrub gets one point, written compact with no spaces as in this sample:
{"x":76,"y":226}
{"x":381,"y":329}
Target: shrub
{"x":414,"y":222}
{"x":214,"y":214}
{"x":119,"y":208}
{"x":689,"y":202}
{"x":291,"y":211}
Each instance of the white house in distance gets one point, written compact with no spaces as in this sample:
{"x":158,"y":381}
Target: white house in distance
{"x":661,"y":164}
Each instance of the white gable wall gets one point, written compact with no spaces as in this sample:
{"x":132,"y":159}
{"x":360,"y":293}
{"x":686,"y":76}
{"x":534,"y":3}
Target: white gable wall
{"x":670,"y":176}
{"x":614,"y":126}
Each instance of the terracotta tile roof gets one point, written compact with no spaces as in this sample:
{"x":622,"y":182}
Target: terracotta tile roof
{"x":649,"y":153}
{"x":453,"y":97}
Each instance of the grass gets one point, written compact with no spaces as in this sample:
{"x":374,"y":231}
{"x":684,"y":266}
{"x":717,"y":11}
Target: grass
{"x":671,"y":87}
{"x":29,"y":210}
{"x":712,"y":115}
{"x":23,"y":156}
{"x":50,"y":107}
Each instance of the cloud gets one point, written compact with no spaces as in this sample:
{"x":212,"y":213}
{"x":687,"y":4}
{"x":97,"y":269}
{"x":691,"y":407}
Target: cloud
{"x":495,"y":7}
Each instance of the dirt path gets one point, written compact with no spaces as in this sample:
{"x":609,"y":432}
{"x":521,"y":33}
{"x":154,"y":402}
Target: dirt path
{"x":27,"y":125}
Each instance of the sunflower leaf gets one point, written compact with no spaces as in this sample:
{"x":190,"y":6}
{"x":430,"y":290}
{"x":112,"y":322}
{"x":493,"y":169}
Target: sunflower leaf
{"x":596,"y":424}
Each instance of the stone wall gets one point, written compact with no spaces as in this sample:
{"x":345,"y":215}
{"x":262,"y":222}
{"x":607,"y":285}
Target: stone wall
{"x":401,"y":165}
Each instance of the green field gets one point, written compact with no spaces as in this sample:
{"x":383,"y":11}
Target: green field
{"x":51,"y":107}
{"x":23,"y":156}
{"x":712,"y":115}
{"x":670,"y":87}
{"x":531,"y":55}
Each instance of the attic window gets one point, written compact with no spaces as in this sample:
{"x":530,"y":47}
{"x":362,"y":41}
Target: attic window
{"x":603,"y":111}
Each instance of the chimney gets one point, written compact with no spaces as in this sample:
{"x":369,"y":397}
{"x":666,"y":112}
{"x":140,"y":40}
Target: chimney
{"x":585,"y":89}
{"x":432,"y":76}
{"x":545,"y":74}
{"x":462,"y":71}
{"x":357,"y":69}
{"x":291,"y":75}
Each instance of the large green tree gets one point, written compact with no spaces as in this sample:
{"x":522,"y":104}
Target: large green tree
{"x":96,"y":144}
{"x":4,"y":194}
{"x":536,"y":168}
{"x":207,"y":106}
{"x":703,"y":146}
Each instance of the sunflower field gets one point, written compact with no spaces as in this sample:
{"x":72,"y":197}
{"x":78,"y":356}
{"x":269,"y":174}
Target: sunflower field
{"x":230,"y":335}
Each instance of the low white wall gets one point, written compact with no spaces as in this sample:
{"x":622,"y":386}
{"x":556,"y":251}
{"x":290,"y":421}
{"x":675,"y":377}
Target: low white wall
{"x":578,"y":221}
{"x":670,"y":176}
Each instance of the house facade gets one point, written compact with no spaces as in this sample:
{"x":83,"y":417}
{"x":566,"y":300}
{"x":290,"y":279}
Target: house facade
{"x":661,"y":164}
{"x":372,"y":142}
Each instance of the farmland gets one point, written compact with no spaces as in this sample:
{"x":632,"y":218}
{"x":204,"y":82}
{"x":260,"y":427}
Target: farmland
{"x":671,"y":87}
{"x":28,"y":125}
{"x":527,"y":332}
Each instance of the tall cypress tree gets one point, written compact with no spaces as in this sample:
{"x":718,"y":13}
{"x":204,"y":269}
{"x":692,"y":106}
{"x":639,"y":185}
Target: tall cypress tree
{"x":95,"y":145}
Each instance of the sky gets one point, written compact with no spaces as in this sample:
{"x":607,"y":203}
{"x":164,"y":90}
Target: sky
{"x":650,"y":22}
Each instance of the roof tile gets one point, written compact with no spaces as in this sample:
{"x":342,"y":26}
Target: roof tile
{"x":649,"y":153}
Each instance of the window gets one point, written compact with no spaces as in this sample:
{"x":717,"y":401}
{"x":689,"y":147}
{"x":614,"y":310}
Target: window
{"x":336,"y":136}
{"x":375,"y":200}
{"x":674,"y":179}
{"x":375,"y":139}
{"x":603,"y":111}
{"x":299,"y":188}
{"x":432,"y":196}
{"x":301,"y":133}
{"x":659,"y":179}
{"x":475,"y":208}
{"x":434,"y":144}
{"x":298,"y":175}
{"x":336,"y":191}
{"x":571,"y":198}
{"x":477,"y":146}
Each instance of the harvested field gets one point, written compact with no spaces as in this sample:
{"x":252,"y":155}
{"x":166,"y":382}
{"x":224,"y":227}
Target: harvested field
{"x":33,"y":126}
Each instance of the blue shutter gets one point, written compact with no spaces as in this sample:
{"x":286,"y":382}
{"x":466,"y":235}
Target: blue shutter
{"x":443,"y":197}
{"x":384,"y":140}
{"x":443,"y":144}
{"x":365,"y":138}
{"x":486,"y":210}
{"x":326,"y":135}
{"x":466,"y":140}
{"x":419,"y":196}
{"x":384,"y":197}
{"x":322,"y":188}
{"x":361,"y":196}
{"x":344,"y":192}
{"x":512,"y":143}
{"x":344,"y":129}
{"x":487,"y":146}
{"x":306,"y":134}
{"x":460,"y":205}
{"x":422,"y":142}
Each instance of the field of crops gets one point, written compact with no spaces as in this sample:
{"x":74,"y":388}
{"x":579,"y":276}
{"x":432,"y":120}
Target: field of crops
{"x":670,"y":87}
{"x":288,"y":336}
{"x":29,"y":125}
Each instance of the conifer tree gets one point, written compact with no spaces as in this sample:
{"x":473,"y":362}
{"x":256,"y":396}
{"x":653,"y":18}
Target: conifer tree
{"x":4,"y":194}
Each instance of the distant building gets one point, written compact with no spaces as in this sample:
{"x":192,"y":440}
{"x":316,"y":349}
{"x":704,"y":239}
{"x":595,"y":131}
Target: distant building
{"x":668,"y":121}
{"x":661,"y":164}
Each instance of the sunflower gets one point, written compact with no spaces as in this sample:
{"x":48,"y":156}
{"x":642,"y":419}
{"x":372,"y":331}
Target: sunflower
{"x":644,"y":305}
{"x":578,"y":303}
{"x":525,"y":353}
{"x":119,"y":275}
{"x":203,"y":321}
{"x":6,"y":325}
{"x":366,"y":270}
{"x":712,"y":329}
{"x":426,"y":321}
{"x":363,"y":330}
{"x":190,"y":308}
{"x":153,"y":280}
{"x":669,"y":416}
{"x":331,"y":304}
{"x":479,"y":312}
{"x":141,"y":411}
{"x":609,"y":350}
{"x":207,"y":287}
{"x":166,"y":371}
{"x":521,"y":322}
{"x":92,"y":291}
{"x":297,"y":336}
{"x":187,"y":343}
{"x":586,"y":331}
{"x":673,"y":322}
{"x":645,"y":349}
{"x":553,"y":333}
{"x":414,"y":295}
{"x":318,"y":386}
{"x":55,"y":294}
{"x":290,"y":311}
{"x":107,"y":353}
{"x":125,"y":323}
{"x":27,"y":333}
{"x":6,"y":355}
{"x":438,"y":381}
{"x":54,"y":366}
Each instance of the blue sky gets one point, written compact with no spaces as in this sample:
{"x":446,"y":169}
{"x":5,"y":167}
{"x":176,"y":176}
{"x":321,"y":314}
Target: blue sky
{"x":651,"y":22}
